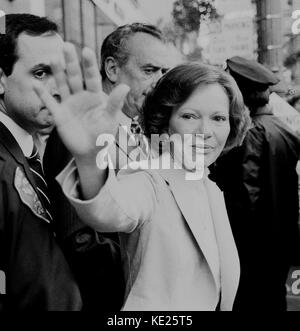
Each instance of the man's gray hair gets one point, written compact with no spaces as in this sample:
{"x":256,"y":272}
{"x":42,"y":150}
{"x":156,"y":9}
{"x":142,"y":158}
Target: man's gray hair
{"x":115,"y":44}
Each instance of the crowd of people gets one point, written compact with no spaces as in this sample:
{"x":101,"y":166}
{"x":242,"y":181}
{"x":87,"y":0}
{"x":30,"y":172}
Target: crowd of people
{"x":96,"y":216}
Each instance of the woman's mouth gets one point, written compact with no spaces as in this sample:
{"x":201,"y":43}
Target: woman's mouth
{"x":204,"y":149}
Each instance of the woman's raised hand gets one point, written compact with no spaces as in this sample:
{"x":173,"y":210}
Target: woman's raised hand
{"x":85,"y":112}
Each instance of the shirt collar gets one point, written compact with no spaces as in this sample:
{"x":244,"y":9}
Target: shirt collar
{"x":23,"y":138}
{"x":125,"y":120}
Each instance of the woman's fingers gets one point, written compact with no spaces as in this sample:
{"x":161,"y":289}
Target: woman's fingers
{"x":91,"y":71}
{"x":48,"y":100}
{"x":60,"y":79}
{"x":73,"y":70}
{"x":116,"y":99}
{"x":70,"y":77}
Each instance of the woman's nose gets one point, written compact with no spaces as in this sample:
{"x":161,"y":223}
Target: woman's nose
{"x":205,"y":128}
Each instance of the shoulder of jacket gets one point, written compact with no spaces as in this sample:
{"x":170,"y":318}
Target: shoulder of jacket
{"x":6,"y":160}
{"x":144,"y":171}
{"x":3,"y":160}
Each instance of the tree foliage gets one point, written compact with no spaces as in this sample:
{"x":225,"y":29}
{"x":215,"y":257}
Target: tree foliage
{"x":172,"y":32}
{"x":188,"y":14}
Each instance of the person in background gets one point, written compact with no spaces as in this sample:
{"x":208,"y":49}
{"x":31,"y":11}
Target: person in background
{"x":260,"y":186}
{"x":137,"y":55}
{"x":38,"y":277}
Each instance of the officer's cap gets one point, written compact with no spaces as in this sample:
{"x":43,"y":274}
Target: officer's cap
{"x":252,"y":71}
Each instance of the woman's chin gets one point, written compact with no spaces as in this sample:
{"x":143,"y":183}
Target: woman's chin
{"x":194,"y":167}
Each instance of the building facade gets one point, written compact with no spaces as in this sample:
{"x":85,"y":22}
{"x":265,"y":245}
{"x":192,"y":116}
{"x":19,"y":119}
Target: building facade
{"x":234,"y":33}
{"x":82,"y":22}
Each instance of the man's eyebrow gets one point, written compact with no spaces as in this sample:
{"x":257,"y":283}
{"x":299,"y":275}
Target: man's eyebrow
{"x":151,"y":65}
{"x":40,"y":66}
{"x":154,"y":67}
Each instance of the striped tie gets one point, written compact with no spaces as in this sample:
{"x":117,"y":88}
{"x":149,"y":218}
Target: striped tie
{"x":139,"y":137}
{"x":35,"y":165}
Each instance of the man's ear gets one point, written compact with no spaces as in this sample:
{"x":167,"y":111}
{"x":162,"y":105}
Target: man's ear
{"x":112,"y":69}
{"x":2,"y":82}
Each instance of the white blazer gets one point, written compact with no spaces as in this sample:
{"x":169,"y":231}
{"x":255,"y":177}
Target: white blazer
{"x":177,"y":246}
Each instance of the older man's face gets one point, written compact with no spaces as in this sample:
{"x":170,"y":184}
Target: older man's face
{"x":149,"y":59}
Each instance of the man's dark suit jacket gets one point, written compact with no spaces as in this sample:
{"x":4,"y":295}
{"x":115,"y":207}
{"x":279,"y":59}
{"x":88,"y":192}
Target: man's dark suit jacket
{"x":93,"y":257}
{"x":38,"y":278}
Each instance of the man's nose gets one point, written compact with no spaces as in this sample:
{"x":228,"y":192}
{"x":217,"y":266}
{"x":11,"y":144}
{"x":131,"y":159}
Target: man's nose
{"x":53,"y":90}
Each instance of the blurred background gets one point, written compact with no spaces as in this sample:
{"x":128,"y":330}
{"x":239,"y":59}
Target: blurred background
{"x":209,"y":31}
{"x":205,"y":30}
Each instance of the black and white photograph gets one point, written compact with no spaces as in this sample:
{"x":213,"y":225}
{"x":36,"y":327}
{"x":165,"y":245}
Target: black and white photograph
{"x":149,"y":158}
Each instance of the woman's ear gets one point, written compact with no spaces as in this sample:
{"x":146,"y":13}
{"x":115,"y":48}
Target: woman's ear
{"x":112,"y":69}
{"x":2,"y":82}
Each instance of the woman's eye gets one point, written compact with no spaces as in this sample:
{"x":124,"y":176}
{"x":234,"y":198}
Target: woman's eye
{"x":188,"y":116}
{"x":220,"y":118}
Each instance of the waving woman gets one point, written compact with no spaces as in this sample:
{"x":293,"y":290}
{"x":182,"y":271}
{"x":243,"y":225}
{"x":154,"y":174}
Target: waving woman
{"x":177,"y":246}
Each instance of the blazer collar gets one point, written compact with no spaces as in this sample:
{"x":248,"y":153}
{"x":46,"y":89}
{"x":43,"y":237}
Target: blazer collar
{"x":187,"y":197}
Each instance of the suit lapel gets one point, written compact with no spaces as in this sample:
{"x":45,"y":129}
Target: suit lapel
{"x":11,"y":145}
{"x":13,"y":148}
{"x":229,"y":259}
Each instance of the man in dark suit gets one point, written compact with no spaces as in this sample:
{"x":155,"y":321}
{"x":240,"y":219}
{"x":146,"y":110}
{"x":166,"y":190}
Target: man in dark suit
{"x":260,"y":186}
{"x":36,"y":273}
{"x":135,"y":55}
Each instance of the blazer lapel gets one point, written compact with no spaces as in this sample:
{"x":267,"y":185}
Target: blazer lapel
{"x":229,"y":259}
{"x":187,"y":198}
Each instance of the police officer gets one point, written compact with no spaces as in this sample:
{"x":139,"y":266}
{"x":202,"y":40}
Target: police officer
{"x":259,"y":181}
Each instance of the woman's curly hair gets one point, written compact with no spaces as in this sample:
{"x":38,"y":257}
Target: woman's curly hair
{"x":178,"y":85}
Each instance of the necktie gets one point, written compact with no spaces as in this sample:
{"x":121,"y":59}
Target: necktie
{"x":135,"y":126}
{"x":36,"y":169}
{"x":139,"y":135}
